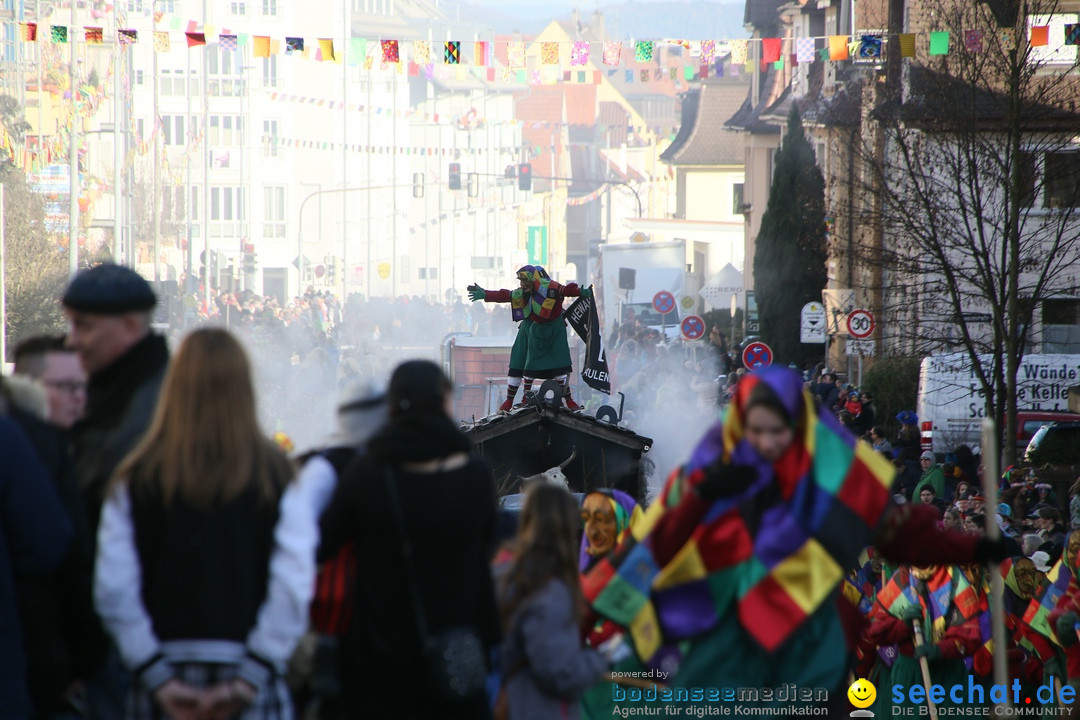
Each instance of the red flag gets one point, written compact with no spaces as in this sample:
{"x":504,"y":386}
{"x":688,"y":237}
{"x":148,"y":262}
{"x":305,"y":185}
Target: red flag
{"x":195,"y":38}
{"x":770,"y":49}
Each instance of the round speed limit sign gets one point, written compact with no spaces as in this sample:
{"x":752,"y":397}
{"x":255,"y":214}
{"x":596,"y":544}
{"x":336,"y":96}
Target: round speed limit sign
{"x":860,"y":323}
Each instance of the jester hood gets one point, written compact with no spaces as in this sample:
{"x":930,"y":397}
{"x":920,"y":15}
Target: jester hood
{"x":543,"y":303}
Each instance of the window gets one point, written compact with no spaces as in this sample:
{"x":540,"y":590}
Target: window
{"x":1029,"y":174}
{"x":195,"y":203}
{"x":269,"y":7}
{"x":139,"y":127}
{"x":172,"y":204}
{"x":215,"y":130}
{"x":135,"y":6}
{"x":138,"y":77}
{"x":166,"y":129}
{"x":274,"y":212}
{"x":238,"y":7}
{"x":269,"y":138}
{"x":736,"y":198}
{"x":172,"y":129}
{"x":269,"y":71}
{"x":1062,"y":180}
{"x":179,"y":191}
{"x":165,"y":6}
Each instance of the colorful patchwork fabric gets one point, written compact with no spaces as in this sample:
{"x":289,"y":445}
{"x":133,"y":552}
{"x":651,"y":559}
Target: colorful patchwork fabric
{"x":950,"y":599}
{"x":1046,"y":599}
{"x":772,"y":553}
{"x":542,"y":303}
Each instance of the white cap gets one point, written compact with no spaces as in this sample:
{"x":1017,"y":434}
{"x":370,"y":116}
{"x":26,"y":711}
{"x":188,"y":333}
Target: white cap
{"x":1041,"y":560}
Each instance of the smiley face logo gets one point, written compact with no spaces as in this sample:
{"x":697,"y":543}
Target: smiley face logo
{"x":862,"y":693}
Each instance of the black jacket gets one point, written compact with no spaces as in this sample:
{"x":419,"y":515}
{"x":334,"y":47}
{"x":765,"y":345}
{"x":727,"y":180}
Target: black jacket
{"x":120,"y":402}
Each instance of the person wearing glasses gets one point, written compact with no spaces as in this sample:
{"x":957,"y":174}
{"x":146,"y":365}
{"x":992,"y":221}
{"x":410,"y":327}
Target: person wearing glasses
{"x":46,"y":359}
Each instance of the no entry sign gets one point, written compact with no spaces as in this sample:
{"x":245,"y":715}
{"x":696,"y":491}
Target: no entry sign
{"x":756,"y":356}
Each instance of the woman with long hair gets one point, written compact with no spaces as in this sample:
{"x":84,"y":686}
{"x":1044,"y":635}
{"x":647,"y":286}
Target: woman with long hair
{"x":545,"y":666}
{"x":421,"y":512}
{"x":206,"y":553}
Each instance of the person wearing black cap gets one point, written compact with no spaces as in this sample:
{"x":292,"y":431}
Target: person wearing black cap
{"x":108,"y":310}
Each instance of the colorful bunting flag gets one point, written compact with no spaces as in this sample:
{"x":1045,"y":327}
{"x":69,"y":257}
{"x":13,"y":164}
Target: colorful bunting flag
{"x":294,"y":45}
{"x":629,"y":76}
{"x":1072,"y":34}
{"x":907,"y":45}
{"x":480,"y":53}
{"x":326,"y":47}
{"x":28,"y":31}
{"x":708,"y":51}
{"x":260,"y":45}
{"x":579,"y":53}
{"x":1040,"y":35}
{"x":870,"y":46}
{"x":703,"y":71}
{"x":644,"y":76}
{"x":770,"y":49}
{"x":161,"y":41}
{"x":515,"y":54}
{"x":804,"y":49}
{"x":973,"y":41}
{"x":94,"y":36}
{"x":127,"y":37}
{"x":195,"y":39}
{"x":739,"y":52}
{"x":612,"y":52}
{"x":939,"y":43}
{"x":390,"y":52}
{"x":421,"y":52}
{"x":452,"y":52}
{"x":838,"y":47}
{"x":549,"y":53}
{"x":643,"y":51}
{"x":227,"y":43}
{"x":357,"y":51}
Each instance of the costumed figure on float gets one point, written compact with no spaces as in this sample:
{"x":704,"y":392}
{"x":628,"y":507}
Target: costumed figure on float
{"x":540,"y":349}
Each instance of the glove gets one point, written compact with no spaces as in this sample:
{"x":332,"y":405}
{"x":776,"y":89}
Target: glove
{"x":1066,"y":628}
{"x":614,"y":649}
{"x":587,"y":292}
{"x":990,"y":551}
{"x":476,"y":292}
{"x":724,"y":480}
{"x":932,"y":653}
{"x":911,"y":613}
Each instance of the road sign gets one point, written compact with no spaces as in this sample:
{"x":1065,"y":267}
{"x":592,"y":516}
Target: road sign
{"x":860,"y":323}
{"x":663,"y":302}
{"x":862,"y":348}
{"x":693,"y":327}
{"x":756,"y":356}
{"x":639,"y":237}
{"x":687,"y":302}
{"x":812,"y":323}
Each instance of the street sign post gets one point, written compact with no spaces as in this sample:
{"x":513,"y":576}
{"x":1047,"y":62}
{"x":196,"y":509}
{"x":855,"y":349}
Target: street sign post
{"x":693,"y":327}
{"x":756,"y":356}
{"x":860,"y":323}
{"x":812,"y":323}
{"x":663,"y":302}
{"x":861,"y":348}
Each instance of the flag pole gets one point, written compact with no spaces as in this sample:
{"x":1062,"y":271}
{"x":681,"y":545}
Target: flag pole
{"x":993,"y":532}
{"x":925,"y":667}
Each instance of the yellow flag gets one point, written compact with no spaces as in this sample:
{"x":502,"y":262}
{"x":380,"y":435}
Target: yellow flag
{"x":907,"y":45}
{"x":327,"y":47}
{"x":838,"y":47}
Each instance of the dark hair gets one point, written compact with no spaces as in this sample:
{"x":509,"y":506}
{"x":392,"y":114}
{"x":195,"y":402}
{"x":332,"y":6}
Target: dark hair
{"x":417,"y":386}
{"x":30,"y":353}
{"x":878,"y":430}
{"x":764,"y":396}
{"x":978,"y":521}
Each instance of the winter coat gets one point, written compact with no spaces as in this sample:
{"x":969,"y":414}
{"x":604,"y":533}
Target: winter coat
{"x":546,"y":666}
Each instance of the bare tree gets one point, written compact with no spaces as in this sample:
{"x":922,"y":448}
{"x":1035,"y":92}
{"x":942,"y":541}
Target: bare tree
{"x":969,"y":194}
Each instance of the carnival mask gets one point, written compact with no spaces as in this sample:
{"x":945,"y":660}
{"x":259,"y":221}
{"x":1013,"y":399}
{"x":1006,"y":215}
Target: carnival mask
{"x":1027,"y":579}
{"x":600,"y":526}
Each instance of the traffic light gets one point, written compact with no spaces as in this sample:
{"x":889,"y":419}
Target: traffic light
{"x":418,"y":185}
{"x":331,"y":270}
{"x":455,"y":176}
{"x":249,"y":259}
{"x":524,"y":176}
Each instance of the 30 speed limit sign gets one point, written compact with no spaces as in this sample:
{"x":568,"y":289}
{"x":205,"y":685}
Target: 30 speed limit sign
{"x":860,"y":323}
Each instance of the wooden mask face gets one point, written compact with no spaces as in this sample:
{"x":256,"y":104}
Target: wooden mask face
{"x":600,"y":526}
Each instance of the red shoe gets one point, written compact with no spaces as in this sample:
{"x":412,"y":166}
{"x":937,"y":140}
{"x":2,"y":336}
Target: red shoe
{"x":506,"y":406}
{"x":571,"y":405}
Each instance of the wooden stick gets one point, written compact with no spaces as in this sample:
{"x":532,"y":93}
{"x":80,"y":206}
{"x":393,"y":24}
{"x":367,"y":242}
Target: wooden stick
{"x":1057,"y":689}
{"x":990,"y":446}
{"x":638,"y":682}
{"x":925,"y":667}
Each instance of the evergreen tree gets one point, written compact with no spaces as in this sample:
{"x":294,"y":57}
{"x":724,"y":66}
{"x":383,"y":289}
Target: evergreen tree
{"x":789,"y":262}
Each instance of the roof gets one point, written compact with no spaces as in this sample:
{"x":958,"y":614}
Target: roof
{"x":762,"y":14}
{"x":708,"y":141}
{"x":751,"y":115}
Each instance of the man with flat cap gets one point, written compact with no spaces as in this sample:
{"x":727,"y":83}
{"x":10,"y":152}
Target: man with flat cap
{"x":108,"y":310}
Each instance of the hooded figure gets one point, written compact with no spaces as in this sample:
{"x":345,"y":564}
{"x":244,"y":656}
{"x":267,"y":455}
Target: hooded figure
{"x":932,"y":475}
{"x":540,"y":349}
{"x":607,"y":515}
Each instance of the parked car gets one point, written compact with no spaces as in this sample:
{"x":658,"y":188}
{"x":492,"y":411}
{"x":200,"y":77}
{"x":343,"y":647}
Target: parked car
{"x":1055,"y":444}
{"x":1028,"y":423}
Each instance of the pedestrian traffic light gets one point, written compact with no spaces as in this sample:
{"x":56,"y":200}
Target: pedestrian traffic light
{"x":418,"y":185}
{"x":455,"y":176}
{"x":524,"y":176}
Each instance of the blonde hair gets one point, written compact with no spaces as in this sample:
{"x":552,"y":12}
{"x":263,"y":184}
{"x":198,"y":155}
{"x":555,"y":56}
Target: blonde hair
{"x":204,"y":444}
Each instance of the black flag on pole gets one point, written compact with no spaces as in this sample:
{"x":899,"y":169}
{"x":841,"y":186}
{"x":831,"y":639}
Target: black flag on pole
{"x":583,"y":318}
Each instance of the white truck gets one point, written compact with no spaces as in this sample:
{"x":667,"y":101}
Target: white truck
{"x":951,"y":403}
{"x":647,"y":268}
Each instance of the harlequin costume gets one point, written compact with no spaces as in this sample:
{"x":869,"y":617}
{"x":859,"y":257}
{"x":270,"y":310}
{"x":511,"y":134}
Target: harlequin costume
{"x":540,"y":349}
